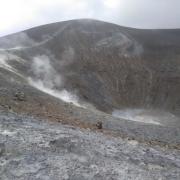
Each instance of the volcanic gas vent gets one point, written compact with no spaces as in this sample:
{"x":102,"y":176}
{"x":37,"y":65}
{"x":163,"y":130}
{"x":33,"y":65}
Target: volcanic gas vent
{"x":98,"y":63}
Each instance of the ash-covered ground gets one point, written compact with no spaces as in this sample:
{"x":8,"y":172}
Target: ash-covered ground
{"x":38,"y":150}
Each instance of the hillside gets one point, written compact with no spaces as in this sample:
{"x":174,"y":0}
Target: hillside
{"x":108,"y":66}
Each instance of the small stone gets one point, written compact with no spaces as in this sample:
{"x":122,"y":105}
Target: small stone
{"x":20,"y":96}
{"x":99,"y":125}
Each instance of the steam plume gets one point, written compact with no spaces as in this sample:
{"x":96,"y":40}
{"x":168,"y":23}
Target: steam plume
{"x":48,"y":80}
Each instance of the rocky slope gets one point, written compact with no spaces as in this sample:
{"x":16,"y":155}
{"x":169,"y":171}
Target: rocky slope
{"x":108,"y":66}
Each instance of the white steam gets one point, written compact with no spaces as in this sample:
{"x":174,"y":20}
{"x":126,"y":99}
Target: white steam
{"x":48,"y":80}
{"x":63,"y":94}
{"x":16,"y":41}
{"x":4,"y":63}
{"x":139,"y":115}
{"x":43,"y":71}
{"x":122,"y":42}
{"x":6,"y":59}
{"x":21,"y":40}
{"x":157,"y":117}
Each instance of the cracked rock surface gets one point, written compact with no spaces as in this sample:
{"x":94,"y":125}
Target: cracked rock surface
{"x":37,"y":150}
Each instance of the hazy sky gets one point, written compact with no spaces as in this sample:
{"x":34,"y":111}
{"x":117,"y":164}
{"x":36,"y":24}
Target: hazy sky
{"x":16,"y":15}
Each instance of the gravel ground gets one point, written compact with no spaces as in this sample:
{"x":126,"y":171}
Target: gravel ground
{"x":33,"y":150}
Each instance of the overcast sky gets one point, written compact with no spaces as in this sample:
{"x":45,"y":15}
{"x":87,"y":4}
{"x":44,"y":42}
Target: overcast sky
{"x":17,"y":15}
